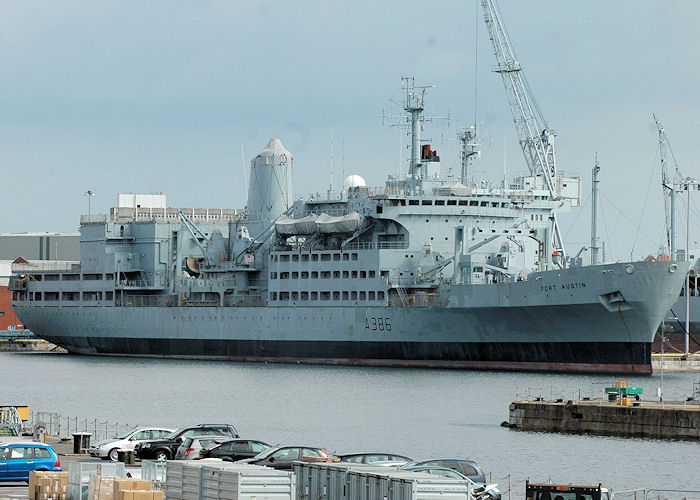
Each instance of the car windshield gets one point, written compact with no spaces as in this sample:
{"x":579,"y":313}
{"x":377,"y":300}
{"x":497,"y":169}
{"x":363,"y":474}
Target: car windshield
{"x":173,"y":435}
{"x":266,"y":453}
{"x":124,"y":436}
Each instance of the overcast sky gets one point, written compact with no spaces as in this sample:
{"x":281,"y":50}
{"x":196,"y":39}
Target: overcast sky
{"x":161,"y":96}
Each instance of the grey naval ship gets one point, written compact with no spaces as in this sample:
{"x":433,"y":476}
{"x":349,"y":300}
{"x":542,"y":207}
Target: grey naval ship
{"x":425,"y":271}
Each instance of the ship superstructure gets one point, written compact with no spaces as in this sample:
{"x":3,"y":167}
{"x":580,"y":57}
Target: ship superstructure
{"x":423,"y":271}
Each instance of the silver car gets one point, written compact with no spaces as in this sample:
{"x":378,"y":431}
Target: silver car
{"x":108,"y":449}
{"x":191,"y":446}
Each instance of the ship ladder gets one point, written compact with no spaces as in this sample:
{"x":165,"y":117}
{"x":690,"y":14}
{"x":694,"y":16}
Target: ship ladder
{"x":401,"y":291}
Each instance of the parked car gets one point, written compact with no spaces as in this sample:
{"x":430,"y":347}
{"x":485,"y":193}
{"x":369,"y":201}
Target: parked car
{"x":282,"y":457}
{"x":18,"y":459}
{"x":164,"y":449}
{"x":128,"y":441}
{"x":192,"y":446}
{"x":467,"y":468}
{"x":481,"y":491}
{"x":368,"y":458}
{"x":235,"y":449}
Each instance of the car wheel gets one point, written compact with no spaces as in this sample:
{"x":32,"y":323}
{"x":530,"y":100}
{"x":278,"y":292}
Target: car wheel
{"x":113,"y":455}
{"x":162,"y":455}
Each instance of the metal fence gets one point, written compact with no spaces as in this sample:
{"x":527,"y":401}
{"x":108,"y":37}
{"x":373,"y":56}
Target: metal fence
{"x":64,"y":426}
{"x":596,"y":392}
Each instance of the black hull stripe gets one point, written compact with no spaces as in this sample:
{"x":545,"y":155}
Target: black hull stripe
{"x":606,"y":357}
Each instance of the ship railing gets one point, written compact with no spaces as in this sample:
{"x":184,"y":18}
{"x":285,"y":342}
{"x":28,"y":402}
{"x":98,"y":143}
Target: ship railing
{"x":380,"y":245}
{"x":416,"y":300}
{"x":93,"y":219}
{"x":243,"y":301}
{"x":45,"y":265}
{"x":157,"y":283}
{"x":146,"y":301}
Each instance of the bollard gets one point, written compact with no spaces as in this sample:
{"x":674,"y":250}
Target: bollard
{"x":126,"y":456}
{"x":81,"y":442}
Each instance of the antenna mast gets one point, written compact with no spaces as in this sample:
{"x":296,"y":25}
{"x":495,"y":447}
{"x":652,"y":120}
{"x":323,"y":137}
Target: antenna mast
{"x":594,"y":213}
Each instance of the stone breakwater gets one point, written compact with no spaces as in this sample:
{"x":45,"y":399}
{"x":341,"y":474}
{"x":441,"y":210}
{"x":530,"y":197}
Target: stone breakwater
{"x":648,"y":419}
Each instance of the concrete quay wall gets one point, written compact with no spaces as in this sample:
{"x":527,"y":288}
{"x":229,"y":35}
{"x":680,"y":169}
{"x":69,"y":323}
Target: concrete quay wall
{"x":672,"y":421}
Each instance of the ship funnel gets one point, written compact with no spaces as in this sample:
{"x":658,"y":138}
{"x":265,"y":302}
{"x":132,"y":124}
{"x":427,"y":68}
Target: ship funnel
{"x":270,"y":189}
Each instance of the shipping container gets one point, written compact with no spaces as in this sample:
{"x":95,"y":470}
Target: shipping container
{"x":344,"y":481}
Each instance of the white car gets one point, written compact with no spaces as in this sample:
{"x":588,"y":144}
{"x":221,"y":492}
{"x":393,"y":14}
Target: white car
{"x":108,"y":449}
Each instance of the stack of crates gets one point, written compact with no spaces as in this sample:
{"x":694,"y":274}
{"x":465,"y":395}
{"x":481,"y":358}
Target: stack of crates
{"x":79,"y":476}
{"x":343,"y":481}
{"x":231,"y":481}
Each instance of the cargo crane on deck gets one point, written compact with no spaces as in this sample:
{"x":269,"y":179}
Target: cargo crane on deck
{"x":535,"y":137}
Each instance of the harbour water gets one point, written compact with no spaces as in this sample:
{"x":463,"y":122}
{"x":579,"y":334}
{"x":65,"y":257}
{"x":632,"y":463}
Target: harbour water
{"x":420,"y":413}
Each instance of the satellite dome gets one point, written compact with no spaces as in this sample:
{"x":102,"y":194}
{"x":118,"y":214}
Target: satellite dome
{"x":352,"y":181}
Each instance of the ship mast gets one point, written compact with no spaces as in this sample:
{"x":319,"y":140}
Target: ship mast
{"x":535,"y":136}
{"x":595,"y":246}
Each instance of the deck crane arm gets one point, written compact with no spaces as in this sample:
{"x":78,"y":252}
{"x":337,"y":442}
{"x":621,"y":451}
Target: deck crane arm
{"x":535,"y":137}
{"x":667,"y":184}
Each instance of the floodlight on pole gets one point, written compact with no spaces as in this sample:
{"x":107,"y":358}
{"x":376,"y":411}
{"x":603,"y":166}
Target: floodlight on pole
{"x":89,"y":193}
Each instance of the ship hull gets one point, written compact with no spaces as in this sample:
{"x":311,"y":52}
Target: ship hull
{"x":548,"y":324}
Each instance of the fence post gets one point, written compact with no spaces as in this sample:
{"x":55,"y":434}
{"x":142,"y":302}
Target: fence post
{"x":509,"y":488}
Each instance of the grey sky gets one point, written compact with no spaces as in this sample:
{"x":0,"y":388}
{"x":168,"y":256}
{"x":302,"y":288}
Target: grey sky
{"x":159,"y":96}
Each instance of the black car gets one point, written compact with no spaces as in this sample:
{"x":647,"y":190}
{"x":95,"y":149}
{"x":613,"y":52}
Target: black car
{"x":235,"y":449}
{"x":467,"y":468}
{"x":282,"y":457}
{"x":164,"y":449}
{"x":368,"y":458}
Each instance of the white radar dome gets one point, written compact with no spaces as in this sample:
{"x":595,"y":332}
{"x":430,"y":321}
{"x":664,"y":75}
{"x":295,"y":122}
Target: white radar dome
{"x":352,"y":181}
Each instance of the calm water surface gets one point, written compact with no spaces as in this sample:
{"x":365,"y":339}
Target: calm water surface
{"x":420,"y":413}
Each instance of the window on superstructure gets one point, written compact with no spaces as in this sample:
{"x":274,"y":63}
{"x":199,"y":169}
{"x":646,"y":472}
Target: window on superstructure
{"x":336,"y":295}
{"x":346,"y":256}
{"x":345,"y":295}
{"x":484,"y":203}
{"x":413,"y":202}
{"x":325,"y":257}
{"x":427,"y":202}
{"x":109,"y":295}
{"x":363,"y":296}
{"x":346,"y":274}
{"x":325,"y":275}
{"x":304,"y":275}
{"x":353,"y":295}
{"x":353,"y":274}
{"x":453,"y":202}
{"x":295,"y":275}
{"x":314,"y":257}
{"x":295,"y":295}
{"x":325,"y":295}
{"x":305,"y":258}
{"x":273,"y":275}
{"x":304,"y":295}
{"x":284,"y":295}
{"x":370,"y":295}
{"x":384,"y":273}
{"x":295,"y":258}
{"x":336,"y":256}
{"x":284,"y":258}
{"x":314,"y":275}
{"x":473,"y":203}
{"x":336,"y":274}
{"x":371,"y":274}
{"x":505,"y":205}
{"x":284,"y":276}
{"x":363,"y":274}
{"x":380,"y":295}
{"x":314,"y":295}
{"x":439,"y":202}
